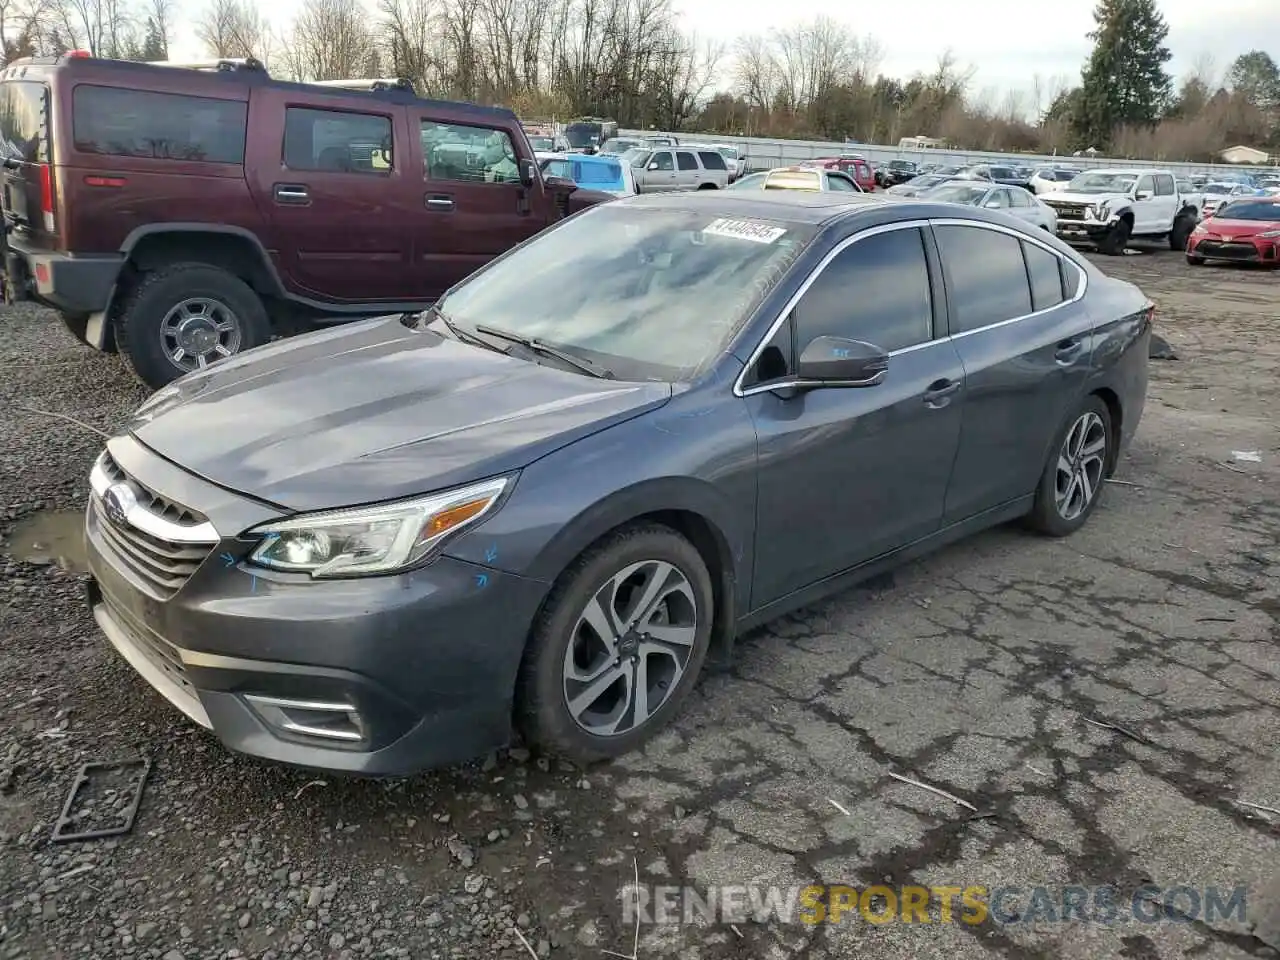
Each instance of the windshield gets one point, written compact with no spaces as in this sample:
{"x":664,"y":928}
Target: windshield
{"x":957,"y":193}
{"x":753,"y":181}
{"x":1250,"y":210}
{"x":582,"y":134}
{"x":1219,"y":188}
{"x":648,"y":293}
{"x":900,"y":164}
{"x":729,"y":153}
{"x":542,"y":143}
{"x":794,"y":180}
{"x":637,"y":157}
{"x":618,"y":145}
{"x":1097,"y":182}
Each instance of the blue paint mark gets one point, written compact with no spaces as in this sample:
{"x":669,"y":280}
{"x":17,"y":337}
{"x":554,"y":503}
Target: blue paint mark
{"x":227,"y":560}
{"x":842,"y":353}
{"x":482,"y":581}
{"x":253,"y":585}
{"x":491,"y":554}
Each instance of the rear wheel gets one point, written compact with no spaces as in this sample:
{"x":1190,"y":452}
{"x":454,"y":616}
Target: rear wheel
{"x":1072,"y":482}
{"x":186,"y":316}
{"x":1181,"y":232}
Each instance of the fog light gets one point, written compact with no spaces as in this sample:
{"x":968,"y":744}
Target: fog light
{"x":325,"y":720}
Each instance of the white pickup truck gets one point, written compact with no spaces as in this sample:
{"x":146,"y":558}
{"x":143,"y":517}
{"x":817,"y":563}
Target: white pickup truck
{"x":1107,"y":208}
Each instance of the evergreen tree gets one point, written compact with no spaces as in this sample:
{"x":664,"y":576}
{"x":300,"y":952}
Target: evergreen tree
{"x":1125,"y":81}
{"x":153,"y":46}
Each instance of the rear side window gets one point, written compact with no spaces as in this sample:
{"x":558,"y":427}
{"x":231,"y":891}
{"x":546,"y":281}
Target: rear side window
{"x":1045,"y":276}
{"x":986,"y":276}
{"x":711,"y":161}
{"x":336,"y":142}
{"x":686,"y":161}
{"x":24,"y":129}
{"x":876,"y":290}
{"x":1070,"y":278}
{"x":161,"y":126}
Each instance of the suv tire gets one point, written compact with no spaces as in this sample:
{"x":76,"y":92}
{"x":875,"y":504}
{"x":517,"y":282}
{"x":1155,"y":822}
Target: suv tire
{"x":558,"y":640}
{"x":150,"y":320}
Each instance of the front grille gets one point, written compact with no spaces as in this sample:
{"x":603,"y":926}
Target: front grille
{"x":1226,"y":251}
{"x":162,"y":564}
{"x":152,"y":501}
{"x":1070,"y":211}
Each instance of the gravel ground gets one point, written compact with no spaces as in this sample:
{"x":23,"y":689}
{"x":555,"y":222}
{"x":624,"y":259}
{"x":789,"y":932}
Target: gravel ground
{"x":987,"y":670}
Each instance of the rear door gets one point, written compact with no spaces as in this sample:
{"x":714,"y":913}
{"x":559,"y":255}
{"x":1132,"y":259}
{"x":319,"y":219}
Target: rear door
{"x":25,"y":151}
{"x":1026,"y":346}
{"x":335,"y":191}
{"x":471,"y":203}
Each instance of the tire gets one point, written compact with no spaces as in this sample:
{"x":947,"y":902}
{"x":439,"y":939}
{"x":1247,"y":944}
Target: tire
{"x":1062,"y":505}
{"x":189,"y":288}
{"x":1181,"y":232}
{"x":1113,"y":244}
{"x":1195,"y":261}
{"x":545,"y":685}
{"x":77,"y":324}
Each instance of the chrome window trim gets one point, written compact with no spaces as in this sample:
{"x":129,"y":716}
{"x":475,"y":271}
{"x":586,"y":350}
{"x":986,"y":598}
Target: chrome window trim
{"x":140,"y":517}
{"x":790,"y":305}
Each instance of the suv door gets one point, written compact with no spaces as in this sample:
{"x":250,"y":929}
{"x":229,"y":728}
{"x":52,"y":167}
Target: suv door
{"x":689,"y":173}
{"x":847,"y":473}
{"x":1026,"y":347}
{"x":471,"y":203}
{"x":335,"y":196}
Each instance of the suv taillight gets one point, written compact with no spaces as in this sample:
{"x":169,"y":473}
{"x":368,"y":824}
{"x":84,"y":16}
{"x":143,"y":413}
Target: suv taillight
{"x":46,"y":197}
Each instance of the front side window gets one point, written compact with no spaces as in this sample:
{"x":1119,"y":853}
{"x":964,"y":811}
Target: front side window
{"x":662,"y":161}
{"x":337,"y":142}
{"x":1145,"y":185}
{"x":459,"y":152}
{"x":668,"y":289}
{"x":163,"y":126}
{"x":985,"y":274}
{"x":876,"y":290}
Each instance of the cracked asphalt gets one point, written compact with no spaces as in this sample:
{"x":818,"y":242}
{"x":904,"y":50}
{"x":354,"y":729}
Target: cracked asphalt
{"x":1108,"y":705}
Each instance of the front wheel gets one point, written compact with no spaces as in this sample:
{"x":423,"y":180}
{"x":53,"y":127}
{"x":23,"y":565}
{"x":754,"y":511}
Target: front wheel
{"x":1116,"y":239}
{"x":618,"y":646}
{"x":1071,"y":484}
{"x":186,"y":316}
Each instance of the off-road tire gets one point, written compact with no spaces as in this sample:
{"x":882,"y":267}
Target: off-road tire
{"x":1044,"y":517}
{"x":137,"y":324}
{"x":541,"y":714}
{"x":1183,"y":224}
{"x":1116,"y":239}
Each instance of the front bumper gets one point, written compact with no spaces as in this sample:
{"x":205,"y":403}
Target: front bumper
{"x":1084,"y":231}
{"x":1240,"y":251}
{"x":376,"y":676}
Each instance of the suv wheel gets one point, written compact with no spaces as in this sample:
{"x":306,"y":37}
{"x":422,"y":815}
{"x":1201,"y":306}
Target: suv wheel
{"x":186,"y":316}
{"x":618,"y":646}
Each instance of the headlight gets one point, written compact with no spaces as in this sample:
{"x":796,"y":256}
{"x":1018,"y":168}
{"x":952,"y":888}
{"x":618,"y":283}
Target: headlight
{"x":1270,"y":234}
{"x":370,"y":540}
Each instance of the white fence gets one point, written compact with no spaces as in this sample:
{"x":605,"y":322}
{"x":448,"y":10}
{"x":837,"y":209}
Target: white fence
{"x":765,"y":154}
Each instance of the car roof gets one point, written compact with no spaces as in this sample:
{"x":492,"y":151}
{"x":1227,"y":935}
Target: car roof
{"x":795,"y":205}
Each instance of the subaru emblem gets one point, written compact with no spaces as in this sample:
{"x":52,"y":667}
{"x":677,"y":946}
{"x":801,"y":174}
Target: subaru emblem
{"x":117,"y":502}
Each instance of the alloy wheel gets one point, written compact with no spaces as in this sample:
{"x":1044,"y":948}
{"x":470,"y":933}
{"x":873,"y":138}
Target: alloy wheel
{"x":1081,"y":465}
{"x":629,"y":648}
{"x":199,"y":331}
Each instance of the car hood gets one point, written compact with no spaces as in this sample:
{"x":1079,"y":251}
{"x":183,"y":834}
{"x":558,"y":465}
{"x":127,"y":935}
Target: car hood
{"x":375,"y":411}
{"x":1239,"y":228}
{"x":1065,"y":196}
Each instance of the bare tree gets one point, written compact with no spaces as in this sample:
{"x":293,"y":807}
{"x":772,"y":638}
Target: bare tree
{"x":234,"y":28}
{"x":331,"y":40}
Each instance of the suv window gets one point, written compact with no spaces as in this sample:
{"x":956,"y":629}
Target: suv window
{"x":986,"y":276}
{"x":1164,"y":185}
{"x":876,"y":290}
{"x":1045,"y":276}
{"x":663,"y":160}
{"x":163,"y":126}
{"x":1144,"y":184}
{"x":711,"y":160}
{"x":686,"y":161}
{"x":336,"y":142}
{"x":24,"y":130}
{"x":455,"y":151}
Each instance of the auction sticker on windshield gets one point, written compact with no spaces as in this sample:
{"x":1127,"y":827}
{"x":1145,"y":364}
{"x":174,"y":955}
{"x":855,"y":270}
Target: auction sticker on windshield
{"x":753,"y":230}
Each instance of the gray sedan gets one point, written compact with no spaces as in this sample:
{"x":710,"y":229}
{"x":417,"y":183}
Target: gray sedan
{"x":1015,"y":201}
{"x":545,"y":503}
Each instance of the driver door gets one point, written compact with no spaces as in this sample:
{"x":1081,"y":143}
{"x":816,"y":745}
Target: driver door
{"x":473,"y":206}
{"x":846,"y":474}
{"x":1145,"y":214}
{"x":660,"y":173}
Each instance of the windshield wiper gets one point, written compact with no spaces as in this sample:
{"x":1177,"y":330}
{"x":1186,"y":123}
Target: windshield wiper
{"x":537,"y":346}
{"x":435,"y":313}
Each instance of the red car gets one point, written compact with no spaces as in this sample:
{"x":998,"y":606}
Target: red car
{"x":854,"y":166}
{"x":1246,"y":230}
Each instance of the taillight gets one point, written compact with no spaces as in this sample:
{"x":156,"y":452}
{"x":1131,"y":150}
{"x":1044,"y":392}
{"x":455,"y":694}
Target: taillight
{"x":46,"y":196}
{"x":79,"y":54}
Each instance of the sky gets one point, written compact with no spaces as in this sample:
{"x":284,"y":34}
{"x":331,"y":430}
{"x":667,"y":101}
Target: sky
{"x":1045,"y":37}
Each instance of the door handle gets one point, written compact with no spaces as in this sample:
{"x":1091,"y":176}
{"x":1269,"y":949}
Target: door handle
{"x":291,"y":193}
{"x":940,"y":392}
{"x":439,"y":201}
{"x":1068,"y":350}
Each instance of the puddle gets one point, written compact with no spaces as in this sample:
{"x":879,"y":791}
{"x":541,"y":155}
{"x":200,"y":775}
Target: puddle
{"x":51,"y":537}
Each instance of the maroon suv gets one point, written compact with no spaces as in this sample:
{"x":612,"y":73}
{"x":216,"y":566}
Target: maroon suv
{"x":181,"y":215}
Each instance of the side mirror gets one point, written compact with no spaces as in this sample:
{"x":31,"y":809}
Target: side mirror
{"x":528,"y":173}
{"x":837,"y":362}
{"x":559,"y":184}
{"x":652,"y":166}
{"x":1143,"y":195}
